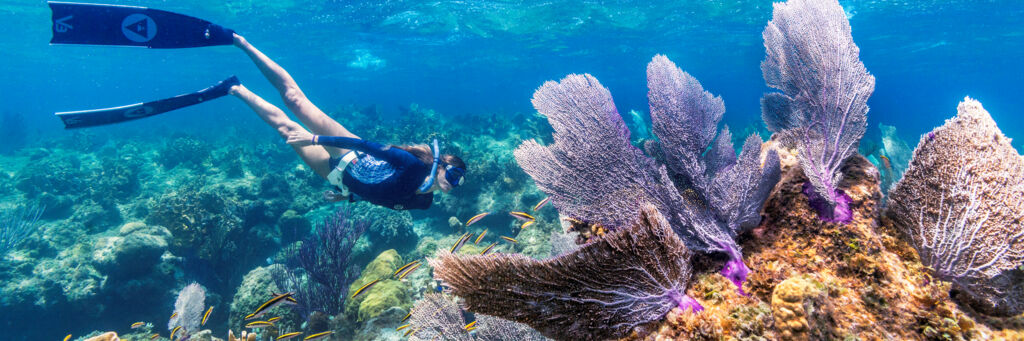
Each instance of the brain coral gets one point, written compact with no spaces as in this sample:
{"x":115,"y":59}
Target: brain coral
{"x":961,"y":203}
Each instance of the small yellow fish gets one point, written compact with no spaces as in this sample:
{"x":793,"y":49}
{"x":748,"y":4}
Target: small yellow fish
{"x":174,"y":314}
{"x":522,"y":216}
{"x":318,"y":336}
{"x":541,"y":204}
{"x":480,"y":237}
{"x":476,"y":218}
{"x":137,"y":325}
{"x":273,"y":319}
{"x":488,"y":249}
{"x":364,"y":288}
{"x":402,"y":327}
{"x":469,"y":326}
{"x":405,"y":266}
{"x":410,"y":331}
{"x":174,"y":331}
{"x":410,"y":270}
{"x":285,"y":298}
{"x":510,"y":240}
{"x":407,"y":316}
{"x":259,"y":324}
{"x":66,"y":338}
{"x":528,"y":223}
{"x":154,"y":336}
{"x":206,"y":316}
{"x":462,"y":241}
{"x":288,"y":336}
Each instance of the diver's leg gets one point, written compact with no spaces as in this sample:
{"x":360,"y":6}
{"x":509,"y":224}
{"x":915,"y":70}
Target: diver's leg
{"x":315,"y":157}
{"x":308,"y":113}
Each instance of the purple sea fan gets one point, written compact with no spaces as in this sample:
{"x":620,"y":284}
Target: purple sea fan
{"x":325,"y":257}
{"x":961,"y":203}
{"x":822,"y":110}
{"x":592,"y":171}
{"x":723,"y":193}
{"x":685,"y":119}
{"x":603,"y":290}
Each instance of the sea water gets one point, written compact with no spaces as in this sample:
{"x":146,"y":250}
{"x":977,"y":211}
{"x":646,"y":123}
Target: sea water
{"x":372,"y":65}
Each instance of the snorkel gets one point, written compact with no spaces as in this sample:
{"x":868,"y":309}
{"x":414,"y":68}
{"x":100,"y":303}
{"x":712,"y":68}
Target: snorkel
{"x":433,"y":169}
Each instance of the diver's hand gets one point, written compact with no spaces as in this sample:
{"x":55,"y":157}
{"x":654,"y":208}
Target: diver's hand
{"x":238,"y":40}
{"x":333,"y":196}
{"x":300,"y":138}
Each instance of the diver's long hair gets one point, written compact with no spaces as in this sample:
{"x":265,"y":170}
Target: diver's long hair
{"x":425,"y":155}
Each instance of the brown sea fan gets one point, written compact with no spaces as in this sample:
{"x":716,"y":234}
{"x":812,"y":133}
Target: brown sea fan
{"x":602,"y":290}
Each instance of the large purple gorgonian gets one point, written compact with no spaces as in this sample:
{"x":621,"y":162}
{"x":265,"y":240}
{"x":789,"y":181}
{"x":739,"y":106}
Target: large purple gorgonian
{"x":722,"y":192}
{"x":602,"y":290}
{"x":961,"y":203}
{"x":822,"y":109}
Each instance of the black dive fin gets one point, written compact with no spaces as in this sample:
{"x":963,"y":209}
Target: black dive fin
{"x":90,"y":118}
{"x":96,"y":24}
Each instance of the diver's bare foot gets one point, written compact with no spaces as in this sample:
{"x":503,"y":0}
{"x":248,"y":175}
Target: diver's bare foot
{"x":233,"y":90}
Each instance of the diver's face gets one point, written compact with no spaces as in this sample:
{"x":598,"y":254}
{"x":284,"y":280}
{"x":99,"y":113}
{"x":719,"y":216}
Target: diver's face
{"x":442,"y":182}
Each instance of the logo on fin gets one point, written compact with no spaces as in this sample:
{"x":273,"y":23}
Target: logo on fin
{"x":137,"y":112}
{"x":61,"y":25}
{"x":138,"y":27}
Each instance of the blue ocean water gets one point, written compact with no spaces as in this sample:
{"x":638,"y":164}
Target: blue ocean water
{"x":484,"y":58}
{"x":488,"y":56}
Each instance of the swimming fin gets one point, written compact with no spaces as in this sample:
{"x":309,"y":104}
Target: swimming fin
{"x":97,"y":117}
{"x":97,"y":24}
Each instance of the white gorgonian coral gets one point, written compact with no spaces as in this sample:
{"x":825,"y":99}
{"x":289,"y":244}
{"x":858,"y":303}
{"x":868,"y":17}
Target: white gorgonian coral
{"x":961,"y":203}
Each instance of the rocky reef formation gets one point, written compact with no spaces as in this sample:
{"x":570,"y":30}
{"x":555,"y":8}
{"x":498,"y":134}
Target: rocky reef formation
{"x":961,"y":205}
{"x":388,"y":292}
{"x":820,"y":280}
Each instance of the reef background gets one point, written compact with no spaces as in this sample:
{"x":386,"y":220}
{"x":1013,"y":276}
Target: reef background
{"x":138,"y":210}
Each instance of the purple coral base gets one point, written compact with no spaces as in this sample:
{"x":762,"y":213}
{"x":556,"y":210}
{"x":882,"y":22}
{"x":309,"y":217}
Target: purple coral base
{"x":684,"y":301}
{"x":735,"y":270}
{"x":841,"y":213}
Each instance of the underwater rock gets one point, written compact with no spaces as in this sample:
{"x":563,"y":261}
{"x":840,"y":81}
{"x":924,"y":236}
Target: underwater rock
{"x":382,"y":327}
{"x":961,"y":203}
{"x":255,"y":289}
{"x":57,"y":173}
{"x":136,"y":250}
{"x":293,"y":227}
{"x":385,"y":294}
{"x":388,"y":229}
{"x":801,"y":309}
{"x":186,"y":150}
{"x":822,"y":109}
{"x":603,"y":290}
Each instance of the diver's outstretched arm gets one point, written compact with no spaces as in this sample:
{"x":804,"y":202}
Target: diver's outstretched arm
{"x":294,"y":98}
